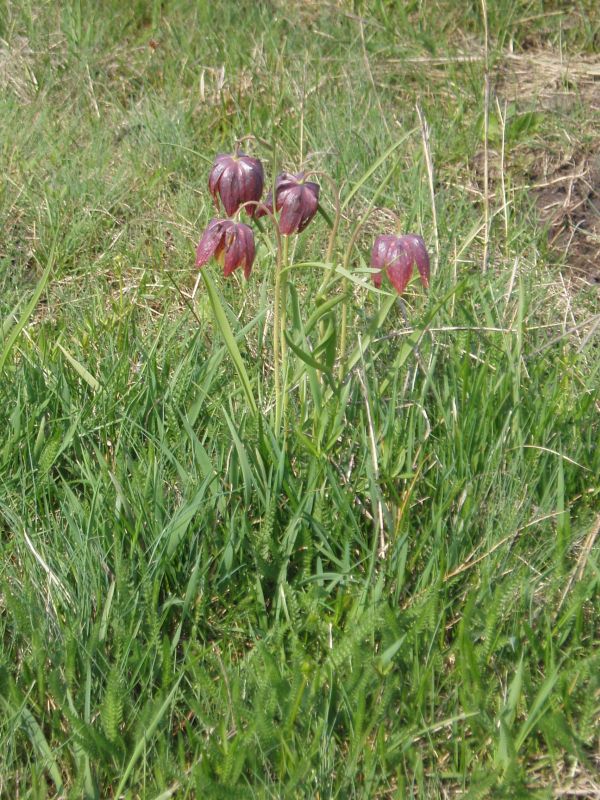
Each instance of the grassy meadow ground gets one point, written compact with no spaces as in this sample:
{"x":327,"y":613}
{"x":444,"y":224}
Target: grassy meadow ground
{"x":396,"y":594}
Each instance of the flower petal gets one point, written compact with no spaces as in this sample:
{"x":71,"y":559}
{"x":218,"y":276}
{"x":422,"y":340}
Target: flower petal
{"x":379,"y":256}
{"x":249,"y":249}
{"x":310,"y":203}
{"x":399,"y":268}
{"x":266,"y":207}
{"x":251,"y":182}
{"x":217,"y":170}
{"x":238,"y":249}
{"x":232,"y":252}
{"x":228,"y":191}
{"x":284,"y":181}
{"x":284,"y":184}
{"x":380,"y":250}
{"x":210,"y":241}
{"x":291,"y":213}
{"x":417,"y":249}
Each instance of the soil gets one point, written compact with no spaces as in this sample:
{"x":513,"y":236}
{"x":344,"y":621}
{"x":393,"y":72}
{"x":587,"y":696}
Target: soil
{"x":565,"y":184}
{"x":567,"y":196}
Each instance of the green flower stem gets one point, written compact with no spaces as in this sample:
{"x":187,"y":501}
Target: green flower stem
{"x":334,"y":227}
{"x":328,"y":279}
{"x":278,"y":326}
{"x":278,"y":322}
{"x":345,"y":264}
{"x":276,"y":337}
{"x":338,"y":212}
{"x":283,"y":315}
{"x":343,"y":328}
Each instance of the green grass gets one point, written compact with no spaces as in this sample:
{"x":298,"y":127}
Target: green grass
{"x":394,"y":596}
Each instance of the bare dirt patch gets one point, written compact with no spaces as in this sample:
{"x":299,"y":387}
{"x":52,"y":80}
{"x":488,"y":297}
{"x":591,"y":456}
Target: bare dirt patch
{"x":565,"y":182}
{"x":567,"y":196}
{"x":553,"y":81}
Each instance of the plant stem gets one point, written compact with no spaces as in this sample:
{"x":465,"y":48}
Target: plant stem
{"x":345,"y":264}
{"x":430,"y":176}
{"x":336,"y":221}
{"x":343,"y":327}
{"x":278,"y":323}
{"x":334,"y":227}
{"x":283,"y":316}
{"x":276,"y":337}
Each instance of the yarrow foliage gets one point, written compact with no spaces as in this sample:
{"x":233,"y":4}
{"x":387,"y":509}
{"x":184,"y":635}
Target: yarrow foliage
{"x":395,"y":256}
{"x":230,"y":243}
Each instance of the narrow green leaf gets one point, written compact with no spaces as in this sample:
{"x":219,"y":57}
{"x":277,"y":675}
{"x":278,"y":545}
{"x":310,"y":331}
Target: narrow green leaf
{"x":16,"y":329}
{"x":147,"y":735}
{"x":36,"y":736}
{"x":358,"y":279}
{"x":373,"y":330}
{"x":242,"y":456}
{"x":412,"y":339}
{"x":106,"y":613}
{"x":323,"y":308}
{"x":190,"y":594}
{"x":304,"y":356}
{"x":388,"y":654}
{"x":505,"y":752}
{"x":201,"y":456}
{"x":375,"y":166}
{"x":229,"y":339}
{"x":538,"y":708}
{"x":514,"y":694}
{"x":180,"y":522}
{"x":80,"y":369}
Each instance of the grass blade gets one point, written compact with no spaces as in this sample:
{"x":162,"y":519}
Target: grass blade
{"x":375,"y":166}
{"x":37,"y":739}
{"x":27,"y":312}
{"x":148,"y":733}
{"x":230,"y":342}
{"x":80,"y":369}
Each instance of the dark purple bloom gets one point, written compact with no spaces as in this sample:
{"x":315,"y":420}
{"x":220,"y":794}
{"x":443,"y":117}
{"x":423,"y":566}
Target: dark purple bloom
{"x":396,"y":256}
{"x":296,"y":199}
{"x":231,"y":244}
{"x":236,"y":180}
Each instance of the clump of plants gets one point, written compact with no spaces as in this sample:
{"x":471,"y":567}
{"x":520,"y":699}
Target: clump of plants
{"x":236,"y":183}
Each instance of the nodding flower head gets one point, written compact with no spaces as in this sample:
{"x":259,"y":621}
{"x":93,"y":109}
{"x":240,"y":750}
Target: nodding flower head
{"x":396,"y":256}
{"x":231,"y":244}
{"x":236,"y":180}
{"x":296,"y":199}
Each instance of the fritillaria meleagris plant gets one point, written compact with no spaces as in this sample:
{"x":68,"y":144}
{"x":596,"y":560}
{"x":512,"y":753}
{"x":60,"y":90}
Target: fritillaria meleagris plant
{"x":230,"y":243}
{"x":235,"y":180}
{"x":236,"y":183}
{"x":395,"y":256}
{"x":296,"y":200}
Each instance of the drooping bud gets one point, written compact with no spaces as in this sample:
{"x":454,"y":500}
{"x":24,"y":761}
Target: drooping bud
{"x":296,"y":199}
{"x":236,"y":180}
{"x":395,"y":256}
{"x":230,"y":243}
